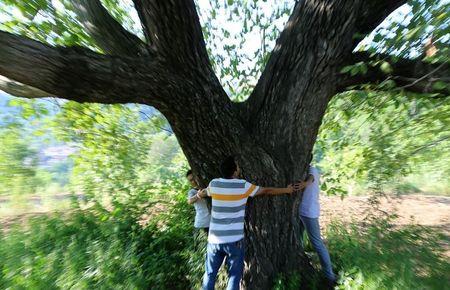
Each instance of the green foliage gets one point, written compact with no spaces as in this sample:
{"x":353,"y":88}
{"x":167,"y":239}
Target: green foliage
{"x":406,"y":33}
{"x":85,"y":251}
{"x":123,"y":154}
{"x":137,"y":228}
{"x":239,"y":37}
{"x":288,"y":282}
{"x":382,"y":256}
{"x":17,"y":164}
{"x":379,"y":255}
{"x":22,"y":135}
{"x":370,"y":141}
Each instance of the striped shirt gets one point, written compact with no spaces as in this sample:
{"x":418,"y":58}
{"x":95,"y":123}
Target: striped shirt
{"x":229,"y":198}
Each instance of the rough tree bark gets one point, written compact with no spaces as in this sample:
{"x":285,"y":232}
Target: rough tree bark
{"x":272,"y":132}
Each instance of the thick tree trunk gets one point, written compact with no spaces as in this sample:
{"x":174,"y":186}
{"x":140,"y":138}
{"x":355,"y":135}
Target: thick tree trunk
{"x":273,"y":242}
{"x":271,"y":222}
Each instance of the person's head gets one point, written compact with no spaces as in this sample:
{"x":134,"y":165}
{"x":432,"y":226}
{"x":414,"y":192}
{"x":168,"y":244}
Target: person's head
{"x":190,"y":177}
{"x":229,"y":168}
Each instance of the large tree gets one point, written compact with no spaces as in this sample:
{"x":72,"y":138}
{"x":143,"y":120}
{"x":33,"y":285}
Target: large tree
{"x":272,"y":132}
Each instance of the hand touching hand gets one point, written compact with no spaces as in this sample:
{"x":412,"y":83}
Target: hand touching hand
{"x":201,"y":193}
{"x":302,"y":185}
{"x":295,"y":187}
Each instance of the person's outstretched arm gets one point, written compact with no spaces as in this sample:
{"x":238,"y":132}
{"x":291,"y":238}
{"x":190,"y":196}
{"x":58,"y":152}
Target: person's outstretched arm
{"x":277,"y":191}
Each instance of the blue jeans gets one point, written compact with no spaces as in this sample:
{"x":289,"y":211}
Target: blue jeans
{"x":215,"y":253}
{"x":313,"y":230}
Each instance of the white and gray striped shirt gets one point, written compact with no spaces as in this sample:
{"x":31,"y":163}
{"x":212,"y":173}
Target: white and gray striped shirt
{"x":229,"y":198}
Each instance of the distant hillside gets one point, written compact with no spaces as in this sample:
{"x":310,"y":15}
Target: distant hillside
{"x":51,"y":153}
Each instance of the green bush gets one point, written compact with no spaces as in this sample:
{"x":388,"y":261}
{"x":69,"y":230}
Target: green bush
{"x":378,"y":255}
{"x":382,"y":256}
{"x":405,"y":188}
{"x":86,"y":251}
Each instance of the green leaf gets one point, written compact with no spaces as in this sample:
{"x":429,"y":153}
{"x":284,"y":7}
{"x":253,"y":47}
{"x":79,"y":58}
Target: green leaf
{"x":378,"y":37}
{"x":346,"y":69}
{"x":439,"y":85}
{"x":354,"y":71}
{"x":363,"y":68}
{"x":386,"y":67}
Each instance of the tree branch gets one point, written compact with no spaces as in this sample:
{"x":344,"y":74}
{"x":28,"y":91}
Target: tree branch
{"x":318,"y":32}
{"x":412,"y":75}
{"x":17,"y":89}
{"x":173,"y":29}
{"x":82,"y":75}
{"x":371,"y":14}
{"x":426,"y":146}
{"x":107,"y":32}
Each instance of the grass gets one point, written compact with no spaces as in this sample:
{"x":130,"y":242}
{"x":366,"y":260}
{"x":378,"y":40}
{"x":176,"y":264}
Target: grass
{"x":380,"y":255}
{"x":91,"y":250}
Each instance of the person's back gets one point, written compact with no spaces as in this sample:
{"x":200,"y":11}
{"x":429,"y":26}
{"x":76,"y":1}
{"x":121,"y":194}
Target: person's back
{"x":229,"y":198}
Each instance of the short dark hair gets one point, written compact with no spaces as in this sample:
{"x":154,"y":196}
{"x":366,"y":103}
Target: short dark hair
{"x":228,"y":167}
{"x":189,"y":172}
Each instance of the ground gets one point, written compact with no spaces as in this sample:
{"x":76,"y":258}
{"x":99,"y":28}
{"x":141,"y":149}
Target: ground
{"x":430,"y":211}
